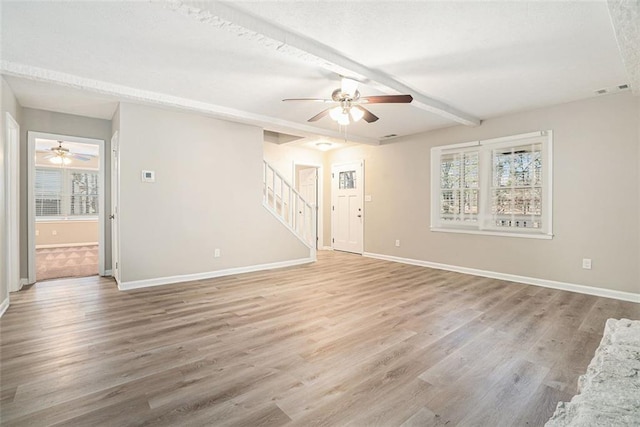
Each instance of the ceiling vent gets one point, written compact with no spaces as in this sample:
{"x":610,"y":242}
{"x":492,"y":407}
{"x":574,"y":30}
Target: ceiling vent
{"x":613,"y":89}
{"x":391,"y":135}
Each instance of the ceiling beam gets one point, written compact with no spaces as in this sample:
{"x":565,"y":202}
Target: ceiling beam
{"x":224,"y":16}
{"x":625,"y":18}
{"x":126,"y":93}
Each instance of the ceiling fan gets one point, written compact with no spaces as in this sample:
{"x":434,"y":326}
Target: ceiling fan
{"x":61,"y":155}
{"x":350,"y":103}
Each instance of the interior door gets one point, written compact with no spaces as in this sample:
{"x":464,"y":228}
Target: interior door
{"x":347,"y":216}
{"x":115,"y":207}
{"x":12,"y":197}
{"x":307,"y":186}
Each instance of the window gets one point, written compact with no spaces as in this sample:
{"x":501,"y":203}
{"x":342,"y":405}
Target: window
{"x":500,"y":186}
{"x":63,"y":193}
{"x":347,"y":180}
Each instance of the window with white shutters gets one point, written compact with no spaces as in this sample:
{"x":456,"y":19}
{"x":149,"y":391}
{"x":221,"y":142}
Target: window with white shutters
{"x":66,"y":193}
{"x":500,"y":186}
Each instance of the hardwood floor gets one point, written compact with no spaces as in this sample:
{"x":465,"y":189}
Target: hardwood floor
{"x":345,"y":341}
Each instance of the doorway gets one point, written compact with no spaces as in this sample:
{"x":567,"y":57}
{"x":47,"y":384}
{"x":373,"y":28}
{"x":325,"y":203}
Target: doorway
{"x":347,"y":216}
{"x":65,"y":206}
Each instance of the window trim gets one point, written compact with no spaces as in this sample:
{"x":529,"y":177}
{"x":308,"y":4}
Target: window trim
{"x":484,"y":148}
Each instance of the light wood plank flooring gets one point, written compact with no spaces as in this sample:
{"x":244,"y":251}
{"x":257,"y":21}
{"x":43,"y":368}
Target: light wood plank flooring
{"x":345,"y":341}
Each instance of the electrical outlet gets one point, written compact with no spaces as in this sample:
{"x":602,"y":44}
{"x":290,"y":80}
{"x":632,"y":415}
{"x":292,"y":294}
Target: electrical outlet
{"x":37,"y":232}
{"x":586,"y":263}
{"x":54,"y":232}
{"x":216,"y":253}
{"x":397,"y":243}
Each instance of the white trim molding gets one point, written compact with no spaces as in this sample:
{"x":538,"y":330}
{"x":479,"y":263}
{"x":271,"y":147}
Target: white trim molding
{"x":108,"y":273}
{"x":4,"y":306}
{"x":571,"y":287}
{"x":137,"y":284}
{"x":66,"y":245}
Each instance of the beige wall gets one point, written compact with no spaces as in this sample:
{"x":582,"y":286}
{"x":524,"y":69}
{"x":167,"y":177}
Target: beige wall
{"x":62,"y":124}
{"x":207,"y":195}
{"x":596,"y":212}
{"x":66,"y":232}
{"x":10,"y":105}
{"x":282,"y":158}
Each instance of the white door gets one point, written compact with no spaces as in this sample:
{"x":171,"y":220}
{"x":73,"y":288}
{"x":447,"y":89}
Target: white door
{"x":307,"y":179}
{"x":306,"y":183}
{"x":115,"y":208}
{"x":347,"y":216}
{"x":12,"y":204}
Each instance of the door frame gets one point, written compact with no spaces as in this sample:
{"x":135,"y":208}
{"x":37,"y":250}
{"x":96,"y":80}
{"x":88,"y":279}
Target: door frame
{"x":31,"y":197}
{"x":12,"y":203}
{"x":115,"y":207}
{"x":361,"y":189}
{"x":319,"y":197}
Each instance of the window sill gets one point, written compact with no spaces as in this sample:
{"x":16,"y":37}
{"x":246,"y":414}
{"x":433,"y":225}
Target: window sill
{"x":66,"y":219}
{"x":494,"y":233}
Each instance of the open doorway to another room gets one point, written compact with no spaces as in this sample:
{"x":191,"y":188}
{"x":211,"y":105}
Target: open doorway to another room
{"x":65,"y":207}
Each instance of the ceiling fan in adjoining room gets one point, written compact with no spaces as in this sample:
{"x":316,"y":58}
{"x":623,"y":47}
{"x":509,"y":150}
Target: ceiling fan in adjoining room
{"x":62,"y":156}
{"x":350,"y":104}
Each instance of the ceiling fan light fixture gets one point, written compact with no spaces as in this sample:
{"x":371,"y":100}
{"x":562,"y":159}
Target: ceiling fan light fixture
{"x":343,"y":119}
{"x":335,"y":113}
{"x":60,"y":160}
{"x":356,"y":113}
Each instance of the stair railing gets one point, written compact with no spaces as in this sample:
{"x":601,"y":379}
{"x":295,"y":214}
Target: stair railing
{"x":288,"y":205}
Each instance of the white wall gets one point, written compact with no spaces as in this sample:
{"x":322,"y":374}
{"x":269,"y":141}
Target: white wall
{"x":596,"y":211}
{"x":283,"y":156}
{"x":207,"y":195}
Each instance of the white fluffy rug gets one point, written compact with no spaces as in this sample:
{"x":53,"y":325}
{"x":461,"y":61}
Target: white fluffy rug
{"x":609,"y":393}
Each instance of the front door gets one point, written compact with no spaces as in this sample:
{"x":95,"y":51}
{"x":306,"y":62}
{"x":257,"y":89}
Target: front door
{"x":347,"y":216}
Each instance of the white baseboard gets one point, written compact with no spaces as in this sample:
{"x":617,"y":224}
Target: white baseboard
{"x":327,"y":248}
{"x":108,"y":273}
{"x":571,"y":287}
{"x":66,"y":245}
{"x":4,"y":306}
{"x":137,"y":284}
{"x":23,"y":282}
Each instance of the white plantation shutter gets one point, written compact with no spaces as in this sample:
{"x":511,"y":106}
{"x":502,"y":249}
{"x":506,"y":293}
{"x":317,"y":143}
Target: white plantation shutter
{"x":499,"y":186}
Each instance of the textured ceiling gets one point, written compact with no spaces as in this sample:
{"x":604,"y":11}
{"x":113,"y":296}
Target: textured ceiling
{"x":475,"y":59}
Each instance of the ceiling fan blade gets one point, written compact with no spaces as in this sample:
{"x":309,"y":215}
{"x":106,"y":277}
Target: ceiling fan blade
{"x":320,"y":115}
{"x":80,"y":157}
{"x":49,"y":156}
{"x":387,"y":99}
{"x":368,"y":117}
{"x":309,"y":99}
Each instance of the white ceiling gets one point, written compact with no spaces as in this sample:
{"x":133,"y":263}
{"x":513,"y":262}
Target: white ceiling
{"x":471,"y":59}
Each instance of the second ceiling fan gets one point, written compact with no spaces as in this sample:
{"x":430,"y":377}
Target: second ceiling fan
{"x":350,"y":104}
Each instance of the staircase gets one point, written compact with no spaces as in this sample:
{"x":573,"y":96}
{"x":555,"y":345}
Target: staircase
{"x":289,"y":207}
